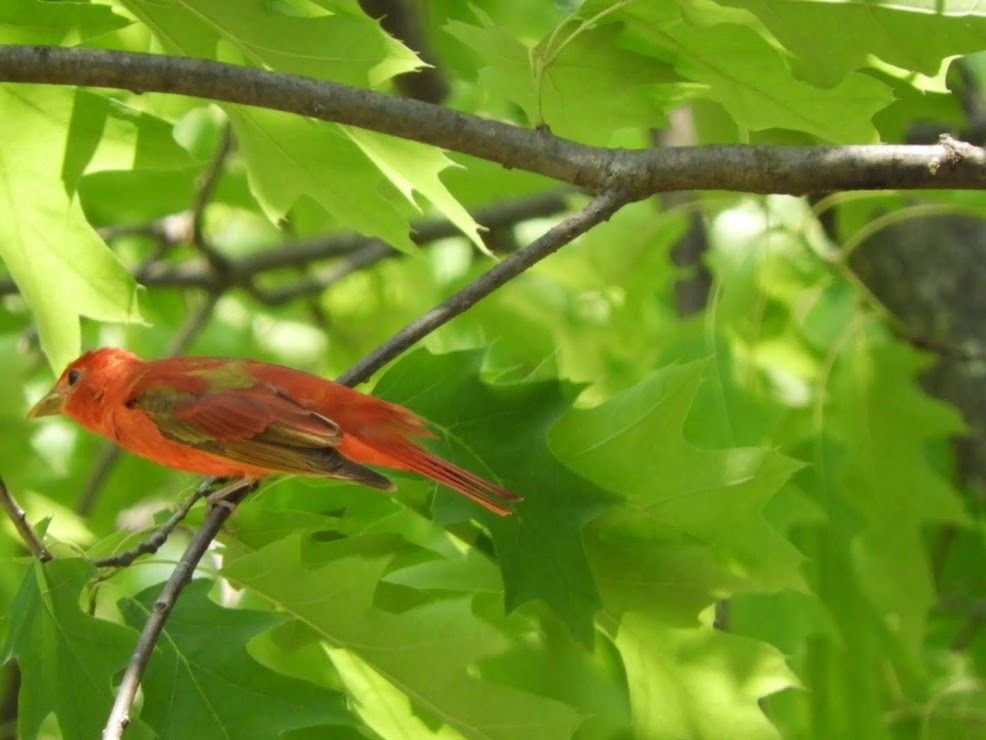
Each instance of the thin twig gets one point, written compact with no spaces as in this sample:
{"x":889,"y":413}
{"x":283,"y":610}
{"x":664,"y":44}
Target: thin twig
{"x":110,"y":453}
{"x":204,"y":194}
{"x":153,"y":543}
{"x":24,"y":529}
{"x":220,"y":266}
{"x":504,"y":213}
{"x":161,"y":232}
{"x":373,"y":252}
{"x":105,"y":461}
{"x":192,"y":326}
{"x":294,"y":254}
{"x":355,"y":252}
{"x":120,"y":713}
{"x":598,"y":210}
{"x":153,"y":229}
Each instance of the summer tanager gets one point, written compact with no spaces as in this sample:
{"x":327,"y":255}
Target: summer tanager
{"x":243,"y":419}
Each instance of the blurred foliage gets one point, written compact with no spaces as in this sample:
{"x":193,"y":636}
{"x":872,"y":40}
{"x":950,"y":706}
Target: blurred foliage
{"x":744,"y":523}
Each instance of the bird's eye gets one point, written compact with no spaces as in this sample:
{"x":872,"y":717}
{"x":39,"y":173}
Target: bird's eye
{"x":73,"y":376}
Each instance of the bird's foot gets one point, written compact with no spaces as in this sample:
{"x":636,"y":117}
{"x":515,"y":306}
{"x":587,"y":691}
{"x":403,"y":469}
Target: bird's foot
{"x":211,"y":502}
{"x":221,"y":496}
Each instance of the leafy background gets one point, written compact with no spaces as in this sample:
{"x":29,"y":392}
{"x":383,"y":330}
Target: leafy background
{"x":741,"y":522}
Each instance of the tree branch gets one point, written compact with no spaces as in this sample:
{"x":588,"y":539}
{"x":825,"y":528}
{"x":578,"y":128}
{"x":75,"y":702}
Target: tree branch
{"x":600,"y":209}
{"x":120,"y":714}
{"x":24,"y":529}
{"x":753,"y":169}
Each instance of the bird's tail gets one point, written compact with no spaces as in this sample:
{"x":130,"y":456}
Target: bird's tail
{"x":484,"y":493}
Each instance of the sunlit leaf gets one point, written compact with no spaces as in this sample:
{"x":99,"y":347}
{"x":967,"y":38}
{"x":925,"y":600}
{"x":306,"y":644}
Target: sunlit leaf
{"x":45,"y":240}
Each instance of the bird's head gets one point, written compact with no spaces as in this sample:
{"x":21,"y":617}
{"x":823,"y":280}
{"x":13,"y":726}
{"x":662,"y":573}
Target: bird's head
{"x":84,"y":383}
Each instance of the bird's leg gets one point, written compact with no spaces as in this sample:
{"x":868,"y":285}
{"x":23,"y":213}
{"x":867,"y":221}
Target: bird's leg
{"x":220,"y":496}
{"x":212,"y":485}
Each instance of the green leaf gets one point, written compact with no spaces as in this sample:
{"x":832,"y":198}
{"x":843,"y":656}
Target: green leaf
{"x":288,"y":158}
{"x":751,"y":80}
{"x":201,"y":682}
{"x":736,"y":65}
{"x":558,"y":81}
{"x":698,"y":683}
{"x":885,"y":420}
{"x":410,"y":167}
{"x":342,"y":45}
{"x":556,"y":666}
{"x":426,"y":651}
{"x":499,"y":431}
{"x":61,"y":267}
{"x":472,"y":573}
{"x":16,"y":453}
{"x":634,"y":444}
{"x":67,"y":658}
{"x":379,"y":703}
{"x":828,"y":40}
{"x":55,"y":24}
{"x":105,"y":134}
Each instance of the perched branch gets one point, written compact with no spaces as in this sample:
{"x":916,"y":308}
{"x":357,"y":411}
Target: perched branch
{"x":153,"y":543}
{"x":599,"y":210}
{"x":120,"y":714}
{"x":19,"y":518}
{"x":753,"y":169}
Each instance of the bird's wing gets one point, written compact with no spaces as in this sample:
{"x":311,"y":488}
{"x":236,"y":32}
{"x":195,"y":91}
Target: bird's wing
{"x":257,"y":424}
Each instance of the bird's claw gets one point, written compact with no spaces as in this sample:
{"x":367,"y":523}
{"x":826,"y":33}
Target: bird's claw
{"x":219,"y":499}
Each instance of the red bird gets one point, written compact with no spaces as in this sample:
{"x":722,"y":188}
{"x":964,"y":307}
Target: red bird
{"x":244,"y":419}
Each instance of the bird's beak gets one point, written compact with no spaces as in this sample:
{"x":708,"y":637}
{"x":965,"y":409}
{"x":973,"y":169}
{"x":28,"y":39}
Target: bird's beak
{"x":49,"y":405}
